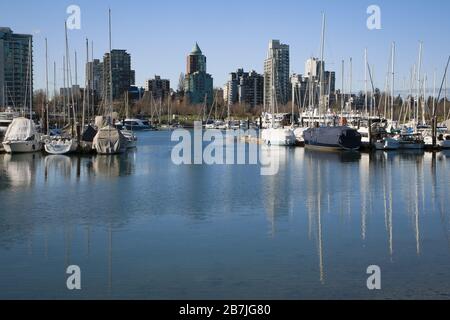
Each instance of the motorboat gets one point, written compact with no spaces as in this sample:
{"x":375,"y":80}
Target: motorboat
{"x":387,"y":143}
{"x":411,"y":141}
{"x":135,"y":125}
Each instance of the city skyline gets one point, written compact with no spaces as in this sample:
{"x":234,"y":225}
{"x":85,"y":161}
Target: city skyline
{"x":158,"y":43}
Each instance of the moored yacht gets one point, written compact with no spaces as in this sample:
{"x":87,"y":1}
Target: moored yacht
{"x":278,"y":137}
{"x":110,"y":140}
{"x":135,"y":125}
{"x":332,"y":138}
{"x":22,"y":137}
{"x":60,"y":145}
{"x":411,"y":141}
{"x":387,"y":144}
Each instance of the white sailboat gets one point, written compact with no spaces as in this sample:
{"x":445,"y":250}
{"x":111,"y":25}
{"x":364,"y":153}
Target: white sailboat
{"x":275,"y":134}
{"x":110,"y":140}
{"x":65,"y":143}
{"x":22,"y":135}
{"x":388,"y":142}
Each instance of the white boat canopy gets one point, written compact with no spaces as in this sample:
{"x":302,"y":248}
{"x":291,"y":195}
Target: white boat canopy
{"x":21,"y":129}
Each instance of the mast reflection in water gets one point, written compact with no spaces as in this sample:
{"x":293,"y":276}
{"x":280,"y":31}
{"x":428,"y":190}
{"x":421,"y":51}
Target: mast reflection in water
{"x":141,"y":227}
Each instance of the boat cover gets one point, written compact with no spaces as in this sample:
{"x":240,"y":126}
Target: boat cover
{"x":21,"y":129}
{"x":89,"y":134}
{"x":109,"y":140}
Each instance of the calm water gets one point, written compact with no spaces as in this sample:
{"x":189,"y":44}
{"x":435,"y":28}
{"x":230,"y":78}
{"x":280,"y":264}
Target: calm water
{"x":141,"y":227}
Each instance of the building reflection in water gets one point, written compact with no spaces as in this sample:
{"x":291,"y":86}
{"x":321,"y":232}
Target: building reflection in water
{"x":275,"y":187}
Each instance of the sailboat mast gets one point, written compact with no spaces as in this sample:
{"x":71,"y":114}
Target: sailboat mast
{"x":30,"y":79}
{"x":86,"y":90}
{"x":434,"y":90}
{"x":54,"y":89}
{"x":351,"y":83}
{"x":46,"y":84}
{"x":127,"y":115}
{"x":273,"y":98}
{"x":64,"y":91}
{"x":343,"y":93}
{"x":110,"y":70}
{"x":322,"y":48}
{"x":293,"y":103}
{"x":445,"y":98}
{"x":76,"y":69}
{"x":92,"y":79}
{"x":393,"y":81}
{"x":365,"y":82}
{"x":418,"y":83}
{"x":68,"y":75}
{"x":168,"y":107}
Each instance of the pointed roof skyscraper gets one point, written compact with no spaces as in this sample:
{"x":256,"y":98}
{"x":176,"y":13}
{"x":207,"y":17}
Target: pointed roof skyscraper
{"x":196,"y":50}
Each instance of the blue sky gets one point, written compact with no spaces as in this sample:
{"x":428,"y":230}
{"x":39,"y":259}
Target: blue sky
{"x":235,"y":33}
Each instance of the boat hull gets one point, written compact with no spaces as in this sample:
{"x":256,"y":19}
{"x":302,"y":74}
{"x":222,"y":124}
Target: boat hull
{"x":110,"y":141}
{"x":22,"y":146}
{"x":318,"y":147}
{"x":444,"y":144}
{"x":131,"y":139}
{"x":60,"y":148}
{"x":332,"y":138}
{"x":278,"y":137}
{"x":299,"y":134}
{"x":388,"y":144}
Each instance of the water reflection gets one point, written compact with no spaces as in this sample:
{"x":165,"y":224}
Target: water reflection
{"x":275,"y":188}
{"x":19,"y":170}
{"x":24,"y":170}
{"x":322,"y":216}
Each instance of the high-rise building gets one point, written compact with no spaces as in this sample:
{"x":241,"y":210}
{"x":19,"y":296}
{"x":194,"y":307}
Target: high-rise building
{"x":251,"y":89}
{"x":299,"y":85}
{"x":122,"y":75}
{"x":198,"y":84}
{"x":276,"y":74}
{"x":16,"y":53}
{"x":313,"y":66}
{"x":232,"y":87}
{"x":245,"y":88}
{"x":94,"y":74}
{"x":158,"y":88}
{"x":310,"y":82}
{"x":330,"y":82}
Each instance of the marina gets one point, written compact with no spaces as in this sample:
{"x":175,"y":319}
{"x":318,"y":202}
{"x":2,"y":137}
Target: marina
{"x":191,"y":152}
